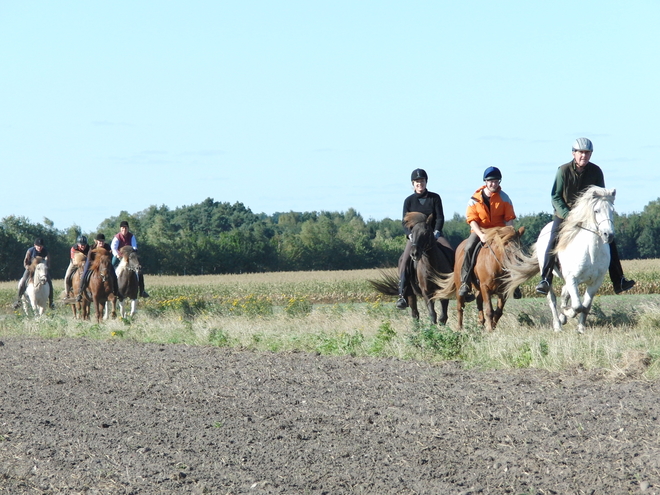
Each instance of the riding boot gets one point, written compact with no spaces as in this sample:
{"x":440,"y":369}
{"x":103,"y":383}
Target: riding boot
{"x":50,"y":294}
{"x":619,"y":282}
{"x":143,"y":293}
{"x":401,"y":303}
{"x":21,"y":289}
{"x":465,"y":290}
{"x":550,"y":258}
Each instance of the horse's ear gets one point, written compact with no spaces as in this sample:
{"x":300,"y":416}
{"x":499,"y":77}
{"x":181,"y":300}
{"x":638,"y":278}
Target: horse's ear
{"x":521,"y":231}
{"x":430,"y":220}
{"x":614,"y":193}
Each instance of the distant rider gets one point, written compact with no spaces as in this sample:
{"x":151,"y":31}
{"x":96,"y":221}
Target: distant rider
{"x":81,"y":246}
{"x":37,"y":250}
{"x":99,"y":244}
{"x":126,"y":238}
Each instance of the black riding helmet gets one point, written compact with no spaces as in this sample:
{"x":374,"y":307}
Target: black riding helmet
{"x":82,"y":240}
{"x":419,"y":174}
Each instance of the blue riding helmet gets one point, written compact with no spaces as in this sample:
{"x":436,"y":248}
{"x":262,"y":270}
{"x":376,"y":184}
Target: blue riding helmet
{"x":492,"y":173}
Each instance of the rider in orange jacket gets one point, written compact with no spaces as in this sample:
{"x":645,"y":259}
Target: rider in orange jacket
{"x":488,"y":207}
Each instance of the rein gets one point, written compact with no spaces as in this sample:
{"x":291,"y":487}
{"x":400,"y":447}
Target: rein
{"x":597,"y":231}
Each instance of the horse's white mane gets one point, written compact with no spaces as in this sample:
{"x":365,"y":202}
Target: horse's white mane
{"x":583,"y":212}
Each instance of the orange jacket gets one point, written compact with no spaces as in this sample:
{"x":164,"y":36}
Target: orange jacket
{"x":500,"y":212}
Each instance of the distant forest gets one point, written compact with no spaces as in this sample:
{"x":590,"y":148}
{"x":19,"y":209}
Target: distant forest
{"x":214,"y":237}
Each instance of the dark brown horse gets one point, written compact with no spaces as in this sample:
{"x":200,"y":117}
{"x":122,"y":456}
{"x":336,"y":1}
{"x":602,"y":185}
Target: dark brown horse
{"x":486,"y":279}
{"x":427,"y":261}
{"x":99,"y":290}
{"x":79,"y":308}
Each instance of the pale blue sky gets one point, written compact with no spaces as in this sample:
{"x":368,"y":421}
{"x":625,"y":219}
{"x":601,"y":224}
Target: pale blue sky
{"x":310,"y":106}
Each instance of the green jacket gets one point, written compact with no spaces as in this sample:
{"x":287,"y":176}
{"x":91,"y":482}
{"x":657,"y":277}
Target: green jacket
{"x":569,"y":184}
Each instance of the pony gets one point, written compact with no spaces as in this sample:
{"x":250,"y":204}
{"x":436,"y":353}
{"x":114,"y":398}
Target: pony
{"x":99,"y":290}
{"x":427,"y":260}
{"x":501,"y":244}
{"x":80,"y":309}
{"x":127,"y":278}
{"x":37,"y":291}
{"x":582,"y":251}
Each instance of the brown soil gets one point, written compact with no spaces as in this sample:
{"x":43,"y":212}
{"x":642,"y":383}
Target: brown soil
{"x":80,"y":416}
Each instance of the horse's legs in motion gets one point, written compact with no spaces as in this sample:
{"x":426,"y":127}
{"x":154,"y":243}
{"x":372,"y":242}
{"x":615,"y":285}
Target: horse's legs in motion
{"x":460,"y":308}
{"x":480,"y":307}
{"x":443,"y":317}
{"x":487,"y":313}
{"x":586,"y":303}
{"x":412,"y":303}
{"x":571,"y":287}
{"x":431,"y":307}
{"x":497,"y":314}
{"x":557,"y":319}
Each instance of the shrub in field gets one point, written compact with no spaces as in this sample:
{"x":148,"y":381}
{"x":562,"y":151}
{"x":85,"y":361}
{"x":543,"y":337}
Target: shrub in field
{"x":384,"y":335}
{"x":251,"y":306}
{"x":343,"y":343}
{"x":442,"y":341}
{"x":298,"y":306}
{"x":218,"y":337}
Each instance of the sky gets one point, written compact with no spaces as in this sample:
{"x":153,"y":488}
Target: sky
{"x":319,"y":106}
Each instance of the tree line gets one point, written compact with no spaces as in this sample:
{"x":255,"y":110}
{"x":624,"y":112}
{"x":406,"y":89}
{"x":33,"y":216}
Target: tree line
{"x":213,"y":237}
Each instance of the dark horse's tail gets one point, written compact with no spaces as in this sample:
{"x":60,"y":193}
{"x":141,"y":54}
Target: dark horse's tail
{"x":387,"y":284}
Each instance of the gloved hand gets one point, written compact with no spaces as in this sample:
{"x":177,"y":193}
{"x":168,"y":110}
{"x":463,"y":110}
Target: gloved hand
{"x":437,"y":234}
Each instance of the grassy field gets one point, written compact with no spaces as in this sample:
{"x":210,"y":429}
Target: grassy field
{"x":339,"y":313}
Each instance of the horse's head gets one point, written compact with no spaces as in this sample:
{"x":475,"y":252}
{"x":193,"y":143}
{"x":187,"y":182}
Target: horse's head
{"x":40,"y":273}
{"x":102,"y":261}
{"x":421,"y":233}
{"x":594,"y":211}
{"x":134,"y":262}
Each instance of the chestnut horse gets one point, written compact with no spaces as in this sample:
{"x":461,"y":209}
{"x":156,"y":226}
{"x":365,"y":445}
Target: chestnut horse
{"x":99,"y":290}
{"x":428,"y":260}
{"x":486,"y":278}
{"x":127,"y":278}
{"x":79,"y":308}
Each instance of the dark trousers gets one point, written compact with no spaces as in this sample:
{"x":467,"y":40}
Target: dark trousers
{"x":404,"y":272}
{"x":615,"y":268}
{"x":468,"y":254}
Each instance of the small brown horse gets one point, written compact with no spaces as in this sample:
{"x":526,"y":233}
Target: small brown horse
{"x":428,"y":261}
{"x":99,"y":290}
{"x":501,"y":243}
{"x":81,"y":307}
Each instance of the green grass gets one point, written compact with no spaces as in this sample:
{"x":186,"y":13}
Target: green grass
{"x":337,"y":313}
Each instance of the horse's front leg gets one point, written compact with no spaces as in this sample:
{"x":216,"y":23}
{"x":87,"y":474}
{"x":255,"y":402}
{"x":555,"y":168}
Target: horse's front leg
{"x":557,"y":319}
{"x":444,"y":305}
{"x":571,"y":290}
{"x":412,"y":304}
{"x":497,"y":314}
{"x":588,"y":299}
{"x":430,"y":305}
{"x":480,"y":307}
{"x":487,"y":312}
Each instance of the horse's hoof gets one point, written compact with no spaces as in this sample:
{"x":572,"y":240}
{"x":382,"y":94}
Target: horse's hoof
{"x":580,"y":329}
{"x":562,"y":320}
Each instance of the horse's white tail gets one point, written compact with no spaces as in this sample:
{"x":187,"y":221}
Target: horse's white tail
{"x":518,"y":269}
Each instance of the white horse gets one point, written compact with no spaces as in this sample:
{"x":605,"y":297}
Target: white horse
{"x":583,"y":255}
{"x":37,"y":291}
